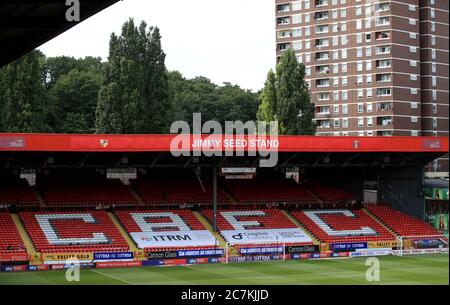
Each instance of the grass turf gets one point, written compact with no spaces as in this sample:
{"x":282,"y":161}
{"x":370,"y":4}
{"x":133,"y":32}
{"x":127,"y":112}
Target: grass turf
{"x":423,"y":269}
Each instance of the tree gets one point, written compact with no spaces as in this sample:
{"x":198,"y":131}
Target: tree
{"x":134,"y":96}
{"x":23,"y":97}
{"x":200,"y":95}
{"x":267,"y":109}
{"x":75,"y":95}
{"x":286,"y":98}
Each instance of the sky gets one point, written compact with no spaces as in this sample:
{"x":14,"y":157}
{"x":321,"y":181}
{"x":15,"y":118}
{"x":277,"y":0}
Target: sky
{"x":224,"y":40}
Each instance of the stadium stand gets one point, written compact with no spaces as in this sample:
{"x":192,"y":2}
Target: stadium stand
{"x":265,"y":190}
{"x":10,"y":240}
{"x":85,"y":192}
{"x":268,"y":219}
{"x":18,"y":193}
{"x":174,"y":190}
{"x":342,"y":226}
{"x":262,"y":219}
{"x":401,"y":223}
{"x":162,"y":221}
{"x":73,"y":232}
{"x":330,"y":193}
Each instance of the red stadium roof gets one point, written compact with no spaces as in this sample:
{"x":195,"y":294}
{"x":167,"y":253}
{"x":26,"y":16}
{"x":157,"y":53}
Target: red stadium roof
{"x":162,"y":143}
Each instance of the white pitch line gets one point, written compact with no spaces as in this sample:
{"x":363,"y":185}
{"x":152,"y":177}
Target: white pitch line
{"x":113,"y":277}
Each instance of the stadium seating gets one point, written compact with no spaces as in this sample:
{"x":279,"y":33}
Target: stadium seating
{"x":343,"y":226}
{"x":88,"y":192}
{"x":330,"y":193}
{"x":401,"y":223}
{"x":269,"y":219}
{"x":264,"y":190}
{"x":175,"y":190}
{"x":10,"y":240}
{"x":68,"y":232}
{"x":187,"y":221}
{"x":18,"y":193}
{"x":187,"y":216}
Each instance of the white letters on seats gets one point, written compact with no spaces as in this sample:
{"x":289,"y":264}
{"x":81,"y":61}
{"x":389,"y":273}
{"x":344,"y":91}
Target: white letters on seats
{"x":44,"y":221}
{"x":314,"y":216}
{"x":175,"y":224}
{"x":230,"y":216}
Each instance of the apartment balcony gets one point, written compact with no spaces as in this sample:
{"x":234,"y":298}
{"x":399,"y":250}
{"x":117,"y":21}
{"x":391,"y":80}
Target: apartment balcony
{"x":283,"y":8}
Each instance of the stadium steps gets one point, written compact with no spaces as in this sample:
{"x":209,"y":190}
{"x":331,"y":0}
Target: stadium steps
{"x":34,"y":255}
{"x":39,"y":196}
{"x":209,"y":227}
{"x":300,"y":225}
{"x":136,"y":195}
{"x":312,"y":193}
{"x":380,"y":222}
{"x":138,"y":252}
{"x":229,"y":195}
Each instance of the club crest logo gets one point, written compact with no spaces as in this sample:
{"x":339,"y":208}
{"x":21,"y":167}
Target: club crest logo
{"x":104,"y":143}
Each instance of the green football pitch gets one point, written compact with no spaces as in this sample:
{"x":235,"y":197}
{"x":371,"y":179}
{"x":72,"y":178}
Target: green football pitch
{"x":426,"y":269}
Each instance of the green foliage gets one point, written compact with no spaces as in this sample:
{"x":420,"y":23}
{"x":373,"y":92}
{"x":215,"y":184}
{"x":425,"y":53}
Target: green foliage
{"x":23,"y":95}
{"x":134,"y":96}
{"x":75,"y":95}
{"x":286,"y":98}
{"x":221,"y":103}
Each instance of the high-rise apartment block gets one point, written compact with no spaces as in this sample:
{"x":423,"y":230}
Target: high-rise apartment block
{"x":374,"y":67}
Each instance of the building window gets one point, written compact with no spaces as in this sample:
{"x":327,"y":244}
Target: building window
{"x":343,"y":13}
{"x":359,"y":24}
{"x":413,"y":90}
{"x":360,"y":108}
{"x":433,"y":53}
{"x":344,"y":81}
{"x":369,"y":122}
{"x":296,"y":6}
{"x":359,"y":52}
{"x":307,"y":6}
{"x":413,"y":63}
{"x":344,"y":40}
{"x":334,"y":14}
{"x":434,"y":108}
{"x":368,"y":65}
{"x":335,"y":68}
{"x":432,"y":13}
{"x":296,"y":19}
{"x":336,"y":95}
{"x":358,"y":10}
{"x":368,"y":51}
{"x":414,"y":105}
{"x":434,"y":95}
{"x":412,"y":35}
{"x":335,"y":41}
{"x":369,"y":106}
{"x":412,"y":7}
{"x":369,"y":92}
{"x":336,"y":109}
{"x":433,"y":81}
{"x":307,"y":18}
{"x":335,"y":54}
{"x":296,"y":32}
{"x":368,"y":78}
{"x":336,"y":123}
{"x":344,"y":67}
{"x":413,"y":49}
{"x":361,"y":123}
{"x":359,"y":79}
{"x":344,"y":109}
{"x":344,"y":95}
{"x":435,"y":123}
{"x":359,"y":66}
{"x":433,"y":67}
{"x":412,"y":21}
{"x":360,"y":93}
{"x":344,"y":123}
{"x":343,"y":26}
{"x":414,"y":119}
{"x":414,"y":133}
{"x":433,"y":26}
{"x":307,"y":31}
{"x":359,"y":38}
{"x":344,"y":53}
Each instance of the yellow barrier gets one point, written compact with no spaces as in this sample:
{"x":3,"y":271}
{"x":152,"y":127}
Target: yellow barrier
{"x":82,"y":256}
{"x":383,"y":244}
